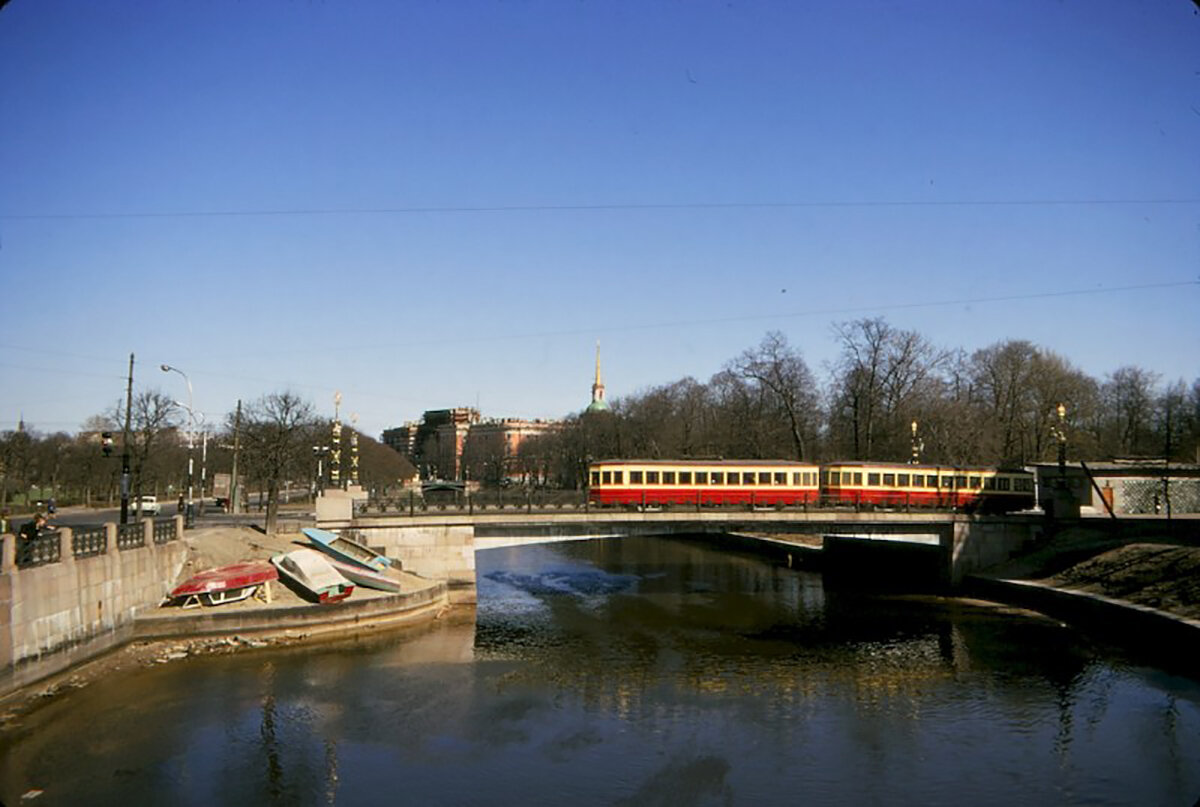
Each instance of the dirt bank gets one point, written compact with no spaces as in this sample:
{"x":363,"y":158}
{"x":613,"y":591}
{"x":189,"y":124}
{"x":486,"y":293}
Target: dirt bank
{"x":1161,"y":573}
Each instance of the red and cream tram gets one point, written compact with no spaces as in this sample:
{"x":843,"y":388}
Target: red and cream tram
{"x":755,"y":482}
{"x":895,"y":484}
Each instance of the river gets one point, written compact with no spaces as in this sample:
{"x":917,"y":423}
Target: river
{"x":638,"y":672}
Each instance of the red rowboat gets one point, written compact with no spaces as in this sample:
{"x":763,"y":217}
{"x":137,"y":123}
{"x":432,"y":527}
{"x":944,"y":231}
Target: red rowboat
{"x":224,"y":584}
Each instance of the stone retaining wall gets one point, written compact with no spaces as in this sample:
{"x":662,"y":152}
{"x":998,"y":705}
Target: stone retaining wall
{"x":59,"y":614}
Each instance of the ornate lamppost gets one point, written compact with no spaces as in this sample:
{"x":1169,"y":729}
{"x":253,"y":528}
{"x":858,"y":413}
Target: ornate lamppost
{"x":189,"y":517}
{"x":335,"y":452}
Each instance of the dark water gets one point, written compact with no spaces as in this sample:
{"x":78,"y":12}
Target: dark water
{"x":638,"y":672}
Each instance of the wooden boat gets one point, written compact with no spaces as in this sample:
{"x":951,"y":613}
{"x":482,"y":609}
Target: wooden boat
{"x":224,"y":584}
{"x":345,"y":550}
{"x":313,"y":575}
{"x":368,"y":578}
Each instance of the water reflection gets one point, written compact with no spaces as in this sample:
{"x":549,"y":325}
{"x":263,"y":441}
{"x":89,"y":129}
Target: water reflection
{"x":637,"y":672}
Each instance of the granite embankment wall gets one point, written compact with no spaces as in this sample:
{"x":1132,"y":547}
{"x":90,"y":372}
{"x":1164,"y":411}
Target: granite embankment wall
{"x":58,"y":614}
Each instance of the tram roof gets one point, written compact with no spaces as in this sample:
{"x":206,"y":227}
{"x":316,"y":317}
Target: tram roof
{"x":900,"y":466}
{"x":711,"y":461}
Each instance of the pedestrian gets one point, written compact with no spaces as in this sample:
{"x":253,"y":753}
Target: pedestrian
{"x":30,"y":531}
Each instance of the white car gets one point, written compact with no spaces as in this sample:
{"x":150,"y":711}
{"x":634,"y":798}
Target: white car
{"x":149,"y":505}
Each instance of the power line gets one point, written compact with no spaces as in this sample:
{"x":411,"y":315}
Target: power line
{"x":569,"y":208}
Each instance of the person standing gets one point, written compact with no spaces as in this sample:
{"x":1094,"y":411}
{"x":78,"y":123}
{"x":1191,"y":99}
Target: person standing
{"x":30,"y":531}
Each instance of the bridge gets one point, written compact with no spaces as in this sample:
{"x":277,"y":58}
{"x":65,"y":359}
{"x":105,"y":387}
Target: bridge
{"x":442,"y":545}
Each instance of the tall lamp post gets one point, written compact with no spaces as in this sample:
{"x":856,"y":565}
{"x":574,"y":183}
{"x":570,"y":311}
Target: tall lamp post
{"x":189,"y":518}
{"x":1061,"y":433}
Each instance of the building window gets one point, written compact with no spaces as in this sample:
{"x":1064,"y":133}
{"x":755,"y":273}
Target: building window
{"x":1002,"y":483}
{"x":635,"y":477}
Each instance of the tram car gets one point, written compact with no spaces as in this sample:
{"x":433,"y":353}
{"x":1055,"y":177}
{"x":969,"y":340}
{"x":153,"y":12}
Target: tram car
{"x":880,"y":484}
{"x":655,"y":482}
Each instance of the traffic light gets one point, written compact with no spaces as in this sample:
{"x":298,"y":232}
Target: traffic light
{"x":106,"y":443}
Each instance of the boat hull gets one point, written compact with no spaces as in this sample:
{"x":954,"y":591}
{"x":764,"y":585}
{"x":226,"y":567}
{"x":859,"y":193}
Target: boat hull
{"x":224,"y":584}
{"x":367,"y":578}
{"x":312,"y":574}
{"x":345,"y":550}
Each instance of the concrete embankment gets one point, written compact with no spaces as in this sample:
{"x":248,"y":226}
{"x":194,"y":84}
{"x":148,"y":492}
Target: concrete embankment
{"x":286,"y":617}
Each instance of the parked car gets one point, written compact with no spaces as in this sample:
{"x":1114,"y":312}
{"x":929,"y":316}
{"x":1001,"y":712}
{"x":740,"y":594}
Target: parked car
{"x":149,"y":505}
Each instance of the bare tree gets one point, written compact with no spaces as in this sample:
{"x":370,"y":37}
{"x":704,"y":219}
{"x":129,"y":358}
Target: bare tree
{"x":884,"y":378}
{"x":153,"y":417}
{"x":276,"y":434}
{"x":780,"y":372}
{"x":1129,"y":397}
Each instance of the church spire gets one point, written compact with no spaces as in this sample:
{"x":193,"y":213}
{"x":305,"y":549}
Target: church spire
{"x":598,"y":403}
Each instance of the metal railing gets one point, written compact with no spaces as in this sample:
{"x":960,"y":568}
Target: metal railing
{"x":131,"y":536}
{"x":164,"y":530}
{"x":87,"y":542}
{"x":44,"y":549}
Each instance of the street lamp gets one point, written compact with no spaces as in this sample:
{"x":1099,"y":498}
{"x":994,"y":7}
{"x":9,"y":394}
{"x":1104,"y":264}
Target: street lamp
{"x":1062,"y":439}
{"x":189,"y":519}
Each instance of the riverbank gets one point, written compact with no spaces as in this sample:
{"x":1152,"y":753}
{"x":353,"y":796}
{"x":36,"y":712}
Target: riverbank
{"x":1160,"y":572}
{"x":171,"y":633}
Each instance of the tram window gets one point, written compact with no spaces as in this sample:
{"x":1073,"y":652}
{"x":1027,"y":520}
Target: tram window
{"x":731,"y":478}
{"x":718,"y":478}
{"x":685,"y":477}
{"x":858,"y":478}
{"x":902,"y":480}
{"x":835,"y":478}
{"x":635,"y":477}
{"x":872,"y":479}
{"x":960,"y":482}
{"x":668,"y":477}
{"x":889,"y":480}
{"x":947,"y":481}
{"x":764,"y":477}
{"x":619,"y":477}
{"x":930,"y":481}
{"x":747,"y":477}
{"x":975,"y":482}
{"x":1002,"y":483}
{"x":607,"y":477}
{"x":701,"y":477}
{"x":918,"y":480}
{"x":595,"y":478}
{"x":651,"y":477}
{"x":780,"y":479}
{"x":989,"y":483}
{"x":796,"y":479}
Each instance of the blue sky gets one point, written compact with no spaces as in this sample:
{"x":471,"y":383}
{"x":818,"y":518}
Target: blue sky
{"x":433,"y":204}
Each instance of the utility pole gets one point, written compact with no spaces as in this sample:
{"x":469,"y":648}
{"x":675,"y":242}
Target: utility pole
{"x":234,"y":507}
{"x":125,"y":450}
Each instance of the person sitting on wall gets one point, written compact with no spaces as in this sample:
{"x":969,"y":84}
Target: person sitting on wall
{"x":30,"y":531}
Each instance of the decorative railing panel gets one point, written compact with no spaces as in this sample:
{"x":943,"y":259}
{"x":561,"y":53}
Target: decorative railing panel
{"x":87,"y":542}
{"x":44,"y":549}
{"x":164,"y":530}
{"x":131,"y":536}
